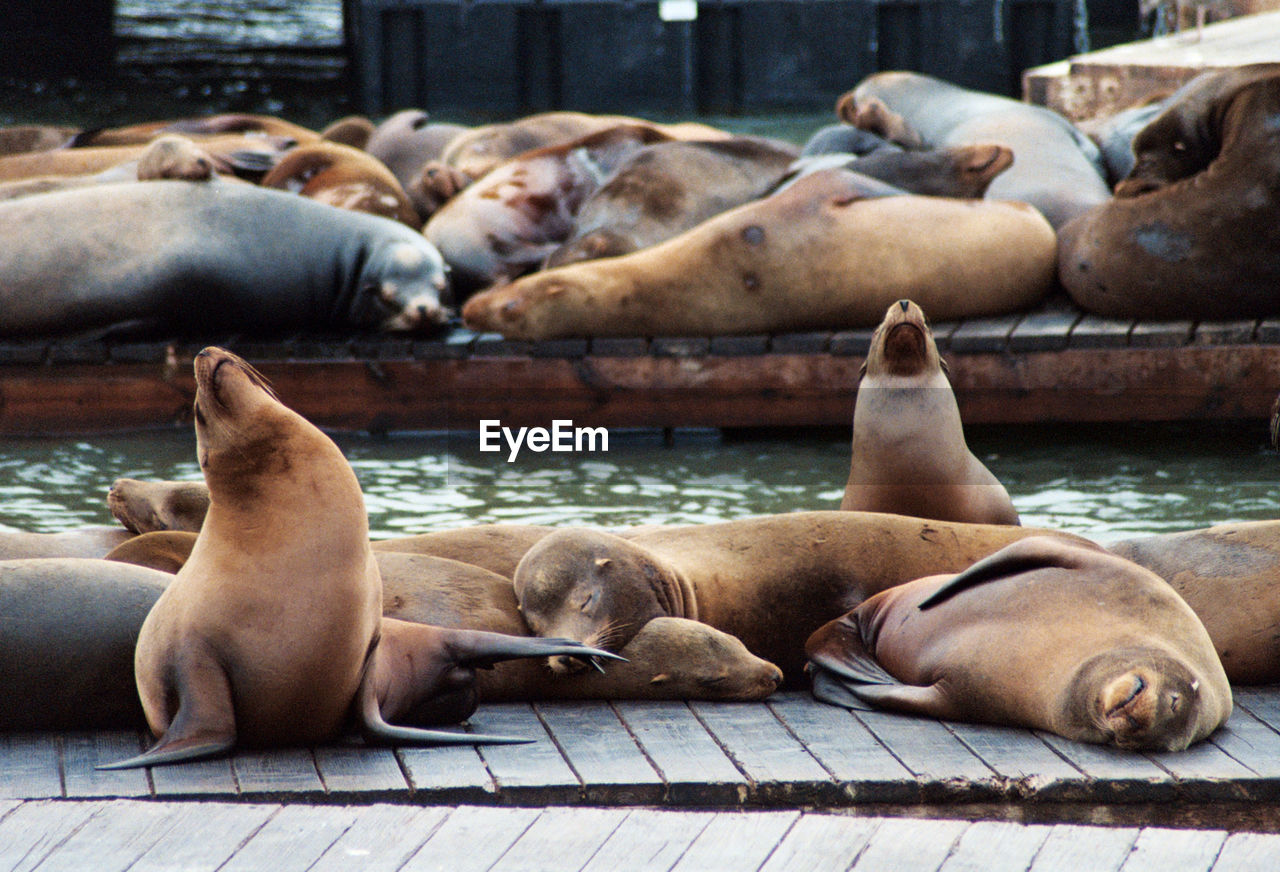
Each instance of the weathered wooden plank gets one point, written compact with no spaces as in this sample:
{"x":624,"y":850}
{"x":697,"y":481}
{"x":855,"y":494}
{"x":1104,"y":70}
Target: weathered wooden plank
{"x":821,"y":842}
{"x":561,"y":838}
{"x":1268,"y":331}
{"x":383,"y":837}
{"x":1249,"y":852}
{"x":736,"y":840}
{"x":1251,"y":742}
{"x":680,"y":346}
{"x":1264,"y":704}
{"x":649,"y":841}
{"x":1116,"y":773}
{"x":1047,"y":330}
{"x":991,"y":846}
{"x":81,"y":752}
{"x":447,"y":773}
{"x":199,"y":777}
{"x":1206,"y":771}
{"x":204,"y":836}
{"x":115,"y":837}
{"x":1022,"y":758}
{"x":989,"y":335}
{"x":29,"y":832}
{"x":1094,"y":331}
{"x":471,"y":839}
{"x":30,"y":767}
{"x":1224,"y":332}
{"x":931,"y":751}
{"x":602,"y":753}
{"x":800,"y":343}
{"x":1160,"y":334}
{"x":899,"y":844}
{"x":693,"y":767}
{"x":735,"y":346}
{"x":846,"y":748}
{"x":534,"y":771}
{"x":853,"y":342}
{"x":294,"y":838}
{"x":1159,"y":850}
{"x":757,"y":742}
{"x":361,"y":770}
{"x":281,"y":770}
{"x":1072,"y":848}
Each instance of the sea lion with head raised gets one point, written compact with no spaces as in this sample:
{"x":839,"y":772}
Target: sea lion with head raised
{"x":345,"y":177}
{"x":183,"y":257}
{"x":1044,"y":634}
{"x":909,"y":454}
{"x":272,"y":632}
{"x":769,"y":581}
{"x":816,"y":256}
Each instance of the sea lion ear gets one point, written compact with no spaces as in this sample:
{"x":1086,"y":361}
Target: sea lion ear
{"x":862,"y":371}
{"x":946,"y":370}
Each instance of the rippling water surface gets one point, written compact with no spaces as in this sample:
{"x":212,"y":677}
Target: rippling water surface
{"x":1104,"y":483}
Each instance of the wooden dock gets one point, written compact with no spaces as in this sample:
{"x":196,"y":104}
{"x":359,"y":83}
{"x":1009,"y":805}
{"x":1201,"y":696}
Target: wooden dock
{"x":1055,"y":364}
{"x":786,"y":784}
{"x":1103,"y":82}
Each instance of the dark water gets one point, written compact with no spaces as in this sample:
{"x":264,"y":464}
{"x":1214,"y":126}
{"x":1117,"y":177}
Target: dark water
{"x":1106,"y":483}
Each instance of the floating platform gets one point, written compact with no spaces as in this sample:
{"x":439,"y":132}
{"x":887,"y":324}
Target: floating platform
{"x":616,"y":786}
{"x":1103,"y":82}
{"x":1056,"y":364}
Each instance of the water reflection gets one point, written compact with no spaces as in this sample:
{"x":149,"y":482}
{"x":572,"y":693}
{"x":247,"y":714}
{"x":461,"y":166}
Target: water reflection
{"x":1103,"y":483}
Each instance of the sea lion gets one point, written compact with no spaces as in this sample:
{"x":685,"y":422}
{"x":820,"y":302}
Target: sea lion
{"x":1056,"y":168}
{"x":67,"y":633}
{"x":812,"y":257}
{"x":1114,"y":135}
{"x":184,"y":257}
{"x":272,"y":632}
{"x":84,"y":542}
{"x":666,"y":188}
{"x":873,"y":116}
{"x":845,"y":139}
{"x":406,"y":142}
{"x":1228,"y":575}
{"x":505,"y":224}
{"x":351,"y":130}
{"x":769,"y":581}
{"x":1192,"y":232}
{"x":669,"y":658}
{"x":909,"y":454}
{"x":345,"y":177}
{"x":258,"y":126}
{"x":964,"y":171}
{"x":86,"y":161}
{"x":176,"y":157}
{"x":1044,"y":634}
{"x":23,"y":138}
{"x":147,"y":506}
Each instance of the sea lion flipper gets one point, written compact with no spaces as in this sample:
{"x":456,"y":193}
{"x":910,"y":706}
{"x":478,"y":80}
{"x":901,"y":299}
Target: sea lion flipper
{"x":376,"y":731}
{"x":840,"y":665}
{"x":1034,"y":552}
{"x":480,"y":649}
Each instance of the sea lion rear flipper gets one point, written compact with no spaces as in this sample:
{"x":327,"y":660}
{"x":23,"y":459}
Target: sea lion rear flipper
{"x":376,"y":731}
{"x":1025,"y":555}
{"x":841,"y":668}
{"x":204,"y":725}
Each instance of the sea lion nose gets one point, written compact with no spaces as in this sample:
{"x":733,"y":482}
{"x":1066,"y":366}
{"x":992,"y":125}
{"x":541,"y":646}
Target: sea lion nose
{"x":904,"y":304}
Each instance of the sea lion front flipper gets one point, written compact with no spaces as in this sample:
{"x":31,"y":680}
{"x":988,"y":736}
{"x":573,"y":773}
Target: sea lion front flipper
{"x":204,"y":725}
{"x":1025,"y":555}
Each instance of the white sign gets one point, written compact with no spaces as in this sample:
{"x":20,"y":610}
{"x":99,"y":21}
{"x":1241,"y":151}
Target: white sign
{"x":678,"y":10}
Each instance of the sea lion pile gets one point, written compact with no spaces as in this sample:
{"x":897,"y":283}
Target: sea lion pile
{"x":565,"y":224}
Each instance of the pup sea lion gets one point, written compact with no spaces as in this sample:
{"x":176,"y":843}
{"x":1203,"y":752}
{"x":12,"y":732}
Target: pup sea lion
{"x":1192,"y":232}
{"x":508,"y":222}
{"x":769,"y":581}
{"x":812,"y":257}
{"x":909,"y":454}
{"x":272,"y":632}
{"x":1043,"y":634}
{"x":669,"y":658}
{"x":344,"y":177}
{"x":67,"y":633}
{"x":1055,"y":167}
{"x":667,"y":188}
{"x":147,"y":506}
{"x":1228,"y":575}
{"x":184,"y":257}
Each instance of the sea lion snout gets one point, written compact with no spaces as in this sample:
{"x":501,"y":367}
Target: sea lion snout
{"x":1147,"y":708}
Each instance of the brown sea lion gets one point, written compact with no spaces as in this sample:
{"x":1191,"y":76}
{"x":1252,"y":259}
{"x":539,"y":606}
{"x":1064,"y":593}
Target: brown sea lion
{"x":667,"y":188}
{"x":84,"y":542}
{"x":86,"y":161}
{"x":769,"y":581}
{"x":1192,"y":232}
{"x":23,"y":138}
{"x":209,"y":126}
{"x":964,"y":171}
{"x":909,"y":454}
{"x":873,"y":116}
{"x":147,"y":506}
{"x":272,"y":632}
{"x":1230,"y":576}
{"x":812,"y":257}
{"x":345,"y":177}
{"x":67,"y":633}
{"x":669,"y":658}
{"x":176,"y":157}
{"x":351,"y":130}
{"x":406,"y":142}
{"x":1056,"y":168}
{"x":508,"y":222}
{"x":1044,"y":634}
